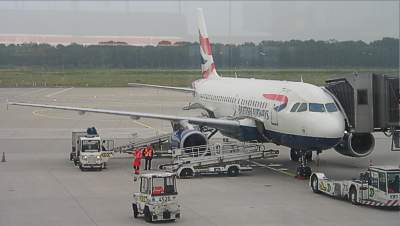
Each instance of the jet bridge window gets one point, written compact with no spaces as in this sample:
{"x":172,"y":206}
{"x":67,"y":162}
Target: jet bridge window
{"x":294,"y":108}
{"x":302,"y":108}
{"x":362,"y":97}
{"x":314,"y":107}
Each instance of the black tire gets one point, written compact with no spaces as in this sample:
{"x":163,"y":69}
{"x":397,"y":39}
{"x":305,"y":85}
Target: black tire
{"x":233,"y":171}
{"x":314,"y":184}
{"x":304,"y":171}
{"x":309,"y":156}
{"x":294,"y":155}
{"x":135,"y":210}
{"x":147,"y":214}
{"x":186,"y":173}
{"x":307,"y":172}
{"x":353,"y":196}
{"x":81,"y":168}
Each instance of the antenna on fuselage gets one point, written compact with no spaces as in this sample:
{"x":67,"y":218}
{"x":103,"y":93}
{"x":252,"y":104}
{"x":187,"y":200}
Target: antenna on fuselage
{"x":236,"y":75}
{"x":301,"y":78}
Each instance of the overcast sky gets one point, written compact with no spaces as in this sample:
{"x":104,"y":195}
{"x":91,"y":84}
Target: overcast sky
{"x":235,"y":21}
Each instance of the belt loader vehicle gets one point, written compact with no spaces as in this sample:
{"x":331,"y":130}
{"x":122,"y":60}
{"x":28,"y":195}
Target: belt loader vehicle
{"x":89,"y":150}
{"x":379,"y":186}
{"x":157,"y":197}
{"x":216,"y":159}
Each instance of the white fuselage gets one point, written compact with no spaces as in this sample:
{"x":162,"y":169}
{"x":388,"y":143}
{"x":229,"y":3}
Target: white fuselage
{"x":270,"y":102}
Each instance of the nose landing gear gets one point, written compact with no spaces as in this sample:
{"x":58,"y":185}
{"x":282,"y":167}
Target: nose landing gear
{"x":302,"y":157}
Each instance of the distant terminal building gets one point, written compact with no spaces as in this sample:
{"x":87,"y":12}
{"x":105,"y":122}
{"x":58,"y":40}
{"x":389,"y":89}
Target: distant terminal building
{"x":86,"y":40}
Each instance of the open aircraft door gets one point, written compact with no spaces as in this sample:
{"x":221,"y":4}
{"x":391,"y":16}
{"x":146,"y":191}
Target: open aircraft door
{"x":274,"y":115}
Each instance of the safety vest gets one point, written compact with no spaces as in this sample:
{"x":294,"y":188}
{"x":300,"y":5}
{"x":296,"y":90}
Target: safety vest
{"x":148,"y":152}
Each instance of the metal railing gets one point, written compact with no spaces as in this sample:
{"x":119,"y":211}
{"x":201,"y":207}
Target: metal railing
{"x":216,"y":150}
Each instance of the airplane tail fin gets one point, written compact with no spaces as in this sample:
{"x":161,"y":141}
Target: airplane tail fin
{"x":207,"y":62}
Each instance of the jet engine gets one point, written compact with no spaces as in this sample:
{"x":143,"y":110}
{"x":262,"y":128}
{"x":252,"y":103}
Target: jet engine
{"x":186,"y":135}
{"x":356,"y":144}
{"x":188,"y":138}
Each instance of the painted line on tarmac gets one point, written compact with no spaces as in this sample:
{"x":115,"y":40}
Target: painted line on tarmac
{"x":282,"y":171}
{"x":59,"y":92}
{"x":147,"y":126}
{"x":32,"y":92}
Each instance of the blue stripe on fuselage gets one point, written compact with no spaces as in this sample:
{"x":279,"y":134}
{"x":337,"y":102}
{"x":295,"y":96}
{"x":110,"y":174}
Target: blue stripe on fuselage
{"x":248,"y":133}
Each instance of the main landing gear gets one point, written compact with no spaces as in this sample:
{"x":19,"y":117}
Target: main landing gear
{"x":302,"y":157}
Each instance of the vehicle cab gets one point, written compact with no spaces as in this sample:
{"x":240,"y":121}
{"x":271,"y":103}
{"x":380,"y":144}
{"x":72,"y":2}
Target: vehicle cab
{"x":157,"y":197}
{"x":89,"y":151}
{"x":384,"y":184}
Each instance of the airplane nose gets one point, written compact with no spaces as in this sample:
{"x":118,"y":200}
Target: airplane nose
{"x":333,"y":127}
{"x":325,"y":131}
{"x":326,"y":126}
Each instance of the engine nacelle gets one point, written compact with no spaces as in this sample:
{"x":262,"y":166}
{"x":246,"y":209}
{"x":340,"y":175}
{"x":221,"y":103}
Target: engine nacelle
{"x":356,"y":144}
{"x":188,"y":138}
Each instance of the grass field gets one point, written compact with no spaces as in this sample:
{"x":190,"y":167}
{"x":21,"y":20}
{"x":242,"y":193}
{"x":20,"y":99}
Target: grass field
{"x":28,"y":77}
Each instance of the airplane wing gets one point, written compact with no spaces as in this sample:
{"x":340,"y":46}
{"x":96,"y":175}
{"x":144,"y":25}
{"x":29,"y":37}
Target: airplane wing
{"x":181,"y":89}
{"x":215,"y":123}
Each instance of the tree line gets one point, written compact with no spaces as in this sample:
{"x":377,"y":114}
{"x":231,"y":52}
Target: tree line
{"x":185,"y":55}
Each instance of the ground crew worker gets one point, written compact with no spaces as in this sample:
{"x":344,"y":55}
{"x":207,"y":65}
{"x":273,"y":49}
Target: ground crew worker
{"x":148,"y":156}
{"x":136,"y":162}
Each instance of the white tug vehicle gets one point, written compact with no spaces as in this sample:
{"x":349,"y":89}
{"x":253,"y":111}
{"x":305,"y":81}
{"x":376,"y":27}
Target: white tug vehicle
{"x":89,"y":150}
{"x":157,"y":197}
{"x":379,"y":186}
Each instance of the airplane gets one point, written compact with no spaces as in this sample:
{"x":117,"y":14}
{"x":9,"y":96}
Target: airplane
{"x":298,"y":115}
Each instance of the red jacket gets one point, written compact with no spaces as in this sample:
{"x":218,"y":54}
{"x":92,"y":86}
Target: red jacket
{"x":138,"y":158}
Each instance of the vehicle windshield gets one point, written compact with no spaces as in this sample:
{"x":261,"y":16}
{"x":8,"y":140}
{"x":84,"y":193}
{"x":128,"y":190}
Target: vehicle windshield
{"x":90,"y":145}
{"x":393,"y":182}
{"x":331,"y":107}
{"x":164,"y":186}
{"x":314,"y":107}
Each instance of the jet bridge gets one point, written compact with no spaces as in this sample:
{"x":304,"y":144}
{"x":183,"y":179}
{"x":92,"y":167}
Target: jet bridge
{"x":370,"y":103}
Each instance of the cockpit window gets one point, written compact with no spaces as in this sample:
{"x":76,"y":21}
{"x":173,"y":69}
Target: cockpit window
{"x":294,"y":108}
{"x":331,"y":107}
{"x":303,"y":107}
{"x":314,"y":107}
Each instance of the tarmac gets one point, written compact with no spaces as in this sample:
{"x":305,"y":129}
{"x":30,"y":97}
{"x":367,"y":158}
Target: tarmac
{"x":40,"y":186}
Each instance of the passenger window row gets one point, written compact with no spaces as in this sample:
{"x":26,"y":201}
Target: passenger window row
{"x":243,"y":102}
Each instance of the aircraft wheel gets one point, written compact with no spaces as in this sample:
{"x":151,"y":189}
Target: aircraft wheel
{"x":309,"y":156}
{"x":294,"y":155}
{"x":304,"y":171}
